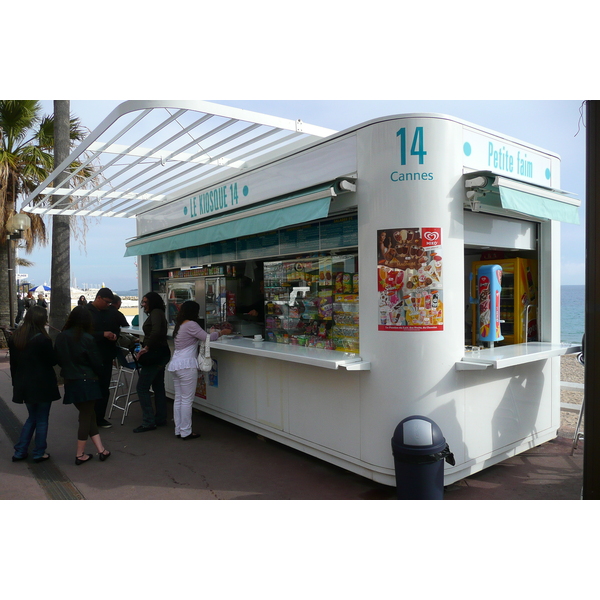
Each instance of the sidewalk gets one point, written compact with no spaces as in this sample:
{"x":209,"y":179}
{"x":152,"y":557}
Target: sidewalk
{"x":230,"y":463}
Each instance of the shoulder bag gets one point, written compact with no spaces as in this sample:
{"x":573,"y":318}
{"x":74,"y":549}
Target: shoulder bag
{"x":205,"y":362}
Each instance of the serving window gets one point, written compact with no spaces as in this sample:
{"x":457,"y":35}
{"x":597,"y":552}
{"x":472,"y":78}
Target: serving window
{"x":313,"y":302}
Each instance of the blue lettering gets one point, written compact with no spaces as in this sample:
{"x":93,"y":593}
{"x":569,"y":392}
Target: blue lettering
{"x":524,"y":166}
{"x":396,"y":176}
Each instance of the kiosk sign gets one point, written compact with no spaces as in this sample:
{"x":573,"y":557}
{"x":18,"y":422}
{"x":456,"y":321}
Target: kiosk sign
{"x":409,"y":279}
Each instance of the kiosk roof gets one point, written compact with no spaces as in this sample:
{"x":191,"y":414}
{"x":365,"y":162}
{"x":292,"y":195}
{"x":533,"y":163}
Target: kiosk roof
{"x":155,"y":151}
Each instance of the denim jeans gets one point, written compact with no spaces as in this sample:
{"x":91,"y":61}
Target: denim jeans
{"x":152,"y":376}
{"x":37,"y":423}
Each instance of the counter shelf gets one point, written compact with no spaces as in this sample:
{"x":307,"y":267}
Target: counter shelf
{"x":317,"y":357}
{"x":516,"y":354}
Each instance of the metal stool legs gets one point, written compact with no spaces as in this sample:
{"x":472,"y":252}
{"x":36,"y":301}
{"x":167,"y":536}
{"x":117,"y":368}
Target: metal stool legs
{"x":578,"y":435}
{"x":127,"y":395}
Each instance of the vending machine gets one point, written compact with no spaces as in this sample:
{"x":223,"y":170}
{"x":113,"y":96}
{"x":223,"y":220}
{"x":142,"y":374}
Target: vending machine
{"x":516,"y":311}
{"x":218,"y":296}
{"x":488,"y":290}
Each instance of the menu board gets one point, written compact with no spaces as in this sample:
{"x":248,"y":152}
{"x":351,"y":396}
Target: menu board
{"x":261,"y":244}
{"x":304,"y":238}
{"x":339,"y":233}
{"x":222,"y":251}
{"x":329,"y":234}
{"x":409,"y":279}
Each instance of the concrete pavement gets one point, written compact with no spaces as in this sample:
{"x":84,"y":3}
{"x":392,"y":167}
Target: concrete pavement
{"x":230,"y":463}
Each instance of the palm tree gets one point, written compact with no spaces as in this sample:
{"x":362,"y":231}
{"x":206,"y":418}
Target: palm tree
{"x":26,"y":159}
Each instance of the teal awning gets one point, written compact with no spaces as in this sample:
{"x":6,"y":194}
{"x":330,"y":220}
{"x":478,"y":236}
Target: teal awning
{"x":538,"y":206}
{"x":276,"y":215}
{"x":498,"y":192}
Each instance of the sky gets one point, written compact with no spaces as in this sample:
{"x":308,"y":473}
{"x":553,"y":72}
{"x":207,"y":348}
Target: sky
{"x":555,"y":125}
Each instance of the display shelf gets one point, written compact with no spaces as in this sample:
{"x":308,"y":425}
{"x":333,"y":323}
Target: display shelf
{"x":509,"y":356}
{"x":317,"y":357}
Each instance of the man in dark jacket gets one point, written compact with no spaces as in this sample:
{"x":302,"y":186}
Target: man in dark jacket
{"x":106,"y":331}
{"x":20,"y":309}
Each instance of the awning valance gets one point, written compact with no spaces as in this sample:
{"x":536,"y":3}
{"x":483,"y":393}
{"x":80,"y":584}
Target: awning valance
{"x":486,"y":189}
{"x":284,"y":212}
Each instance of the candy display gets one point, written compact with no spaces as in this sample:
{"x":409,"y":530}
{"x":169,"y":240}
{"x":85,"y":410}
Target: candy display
{"x":313,"y":302}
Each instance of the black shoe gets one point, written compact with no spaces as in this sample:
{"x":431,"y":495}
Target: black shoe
{"x":17,"y":458}
{"x":104,"y":423}
{"x":103,"y":455}
{"x":142,"y":429}
{"x":192,"y":436}
{"x":161,"y":424}
{"x":41,"y":458}
{"x":79,"y":460}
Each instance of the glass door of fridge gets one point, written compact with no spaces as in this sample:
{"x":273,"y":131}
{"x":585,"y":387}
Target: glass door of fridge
{"x":178,"y":291}
{"x":215,"y":301}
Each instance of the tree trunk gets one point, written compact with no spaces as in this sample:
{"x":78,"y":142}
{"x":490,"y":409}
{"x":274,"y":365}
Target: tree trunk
{"x":60,"y":278}
{"x":4,"y":286}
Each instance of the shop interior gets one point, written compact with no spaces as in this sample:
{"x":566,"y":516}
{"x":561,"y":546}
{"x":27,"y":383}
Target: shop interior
{"x":515,"y":319}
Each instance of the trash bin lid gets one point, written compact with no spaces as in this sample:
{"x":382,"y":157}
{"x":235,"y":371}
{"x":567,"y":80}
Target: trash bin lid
{"x":418,"y":435}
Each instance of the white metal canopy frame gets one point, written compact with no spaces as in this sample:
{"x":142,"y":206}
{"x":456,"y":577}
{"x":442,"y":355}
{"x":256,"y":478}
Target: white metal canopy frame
{"x":150,"y":152}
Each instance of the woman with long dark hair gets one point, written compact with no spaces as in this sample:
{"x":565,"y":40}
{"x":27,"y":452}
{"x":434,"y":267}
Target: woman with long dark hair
{"x":184,"y":365}
{"x":152,"y":358}
{"x":34,"y":382}
{"x":81,"y":364}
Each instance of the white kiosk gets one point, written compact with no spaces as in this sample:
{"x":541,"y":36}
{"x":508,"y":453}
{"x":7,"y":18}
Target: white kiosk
{"x":367,"y":240}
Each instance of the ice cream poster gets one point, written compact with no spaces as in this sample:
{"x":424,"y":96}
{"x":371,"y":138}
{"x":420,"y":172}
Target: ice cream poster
{"x":213,"y":380}
{"x":409,"y":279}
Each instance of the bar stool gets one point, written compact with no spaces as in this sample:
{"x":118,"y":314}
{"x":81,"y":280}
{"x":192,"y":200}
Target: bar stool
{"x":578,"y":435}
{"x":125,"y":369}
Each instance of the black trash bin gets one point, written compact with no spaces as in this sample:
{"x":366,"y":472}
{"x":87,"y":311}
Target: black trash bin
{"x":419,"y":450}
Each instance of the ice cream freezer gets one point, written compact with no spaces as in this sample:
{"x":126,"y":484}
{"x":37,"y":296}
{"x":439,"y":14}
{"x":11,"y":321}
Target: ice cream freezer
{"x":408,"y":266}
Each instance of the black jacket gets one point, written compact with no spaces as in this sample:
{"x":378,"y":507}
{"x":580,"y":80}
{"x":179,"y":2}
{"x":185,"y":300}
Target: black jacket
{"x":32,"y":371}
{"x":105,"y":320}
{"x":78,"y":358}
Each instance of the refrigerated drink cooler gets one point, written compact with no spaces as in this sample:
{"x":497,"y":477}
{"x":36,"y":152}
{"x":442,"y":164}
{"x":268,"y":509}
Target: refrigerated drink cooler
{"x":516,"y":314}
{"x":219,"y":298}
{"x":489,"y":288}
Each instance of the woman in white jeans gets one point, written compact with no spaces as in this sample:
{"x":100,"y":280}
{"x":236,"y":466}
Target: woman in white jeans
{"x":184,"y":365}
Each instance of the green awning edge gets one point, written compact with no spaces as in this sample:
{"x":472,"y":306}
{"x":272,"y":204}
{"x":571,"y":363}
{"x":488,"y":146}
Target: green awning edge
{"x":537,"y":206}
{"x":277,"y":218}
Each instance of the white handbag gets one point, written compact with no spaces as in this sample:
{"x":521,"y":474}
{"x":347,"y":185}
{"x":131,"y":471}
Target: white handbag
{"x":205,"y":362}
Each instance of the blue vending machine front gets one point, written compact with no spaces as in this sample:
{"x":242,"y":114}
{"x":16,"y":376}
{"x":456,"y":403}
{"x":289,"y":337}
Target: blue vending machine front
{"x":489,"y":287}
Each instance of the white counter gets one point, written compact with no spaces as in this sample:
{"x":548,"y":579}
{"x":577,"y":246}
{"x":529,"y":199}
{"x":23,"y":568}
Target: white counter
{"x":317,"y":357}
{"x":516,"y":354}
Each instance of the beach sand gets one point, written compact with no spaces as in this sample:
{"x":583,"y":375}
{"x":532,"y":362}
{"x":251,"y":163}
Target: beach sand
{"x":570,"y":371}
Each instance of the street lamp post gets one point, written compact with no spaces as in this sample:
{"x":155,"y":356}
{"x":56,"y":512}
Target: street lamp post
{"x":15,"y":226}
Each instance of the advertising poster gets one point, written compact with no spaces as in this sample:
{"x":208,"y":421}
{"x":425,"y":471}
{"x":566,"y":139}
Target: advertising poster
{"x":212,"y":377}
{"x":409,"y":279}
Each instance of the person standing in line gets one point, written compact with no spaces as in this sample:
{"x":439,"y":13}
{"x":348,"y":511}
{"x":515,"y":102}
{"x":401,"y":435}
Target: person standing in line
{"x":105,"y":329}
{"x":152,"y":358}
{"x":125,"y":340}
{"x":41,"y":301}
{"x":116,"y":305}
{"x":81,"y":366}
{"x":32,"y":359}
{"x":82,"y":301}
{"x":20,"y":309}
{"x":184,"y":365}
{"x":29,"y":301}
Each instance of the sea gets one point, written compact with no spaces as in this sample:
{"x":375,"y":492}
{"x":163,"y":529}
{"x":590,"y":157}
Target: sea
{"x":572,"y":313}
